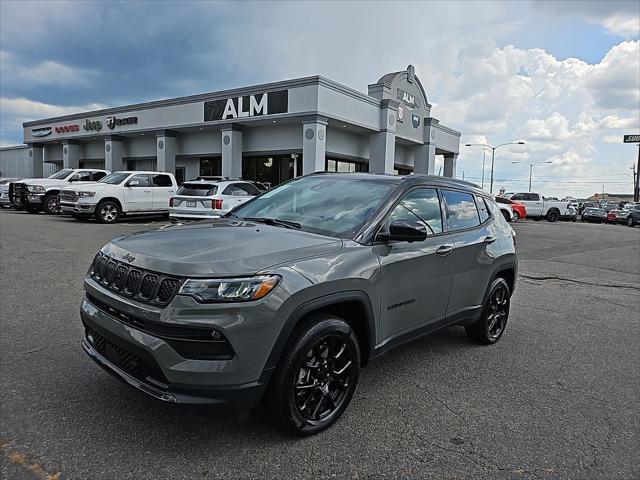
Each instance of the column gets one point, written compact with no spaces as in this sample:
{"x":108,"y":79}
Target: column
{"x":382,"y":144}
{"x":70,"y":155}
{"x":36,"y":159}
{"x":424,"y":159}
{"x":166,"y":153}
{"x":232,"y":152}
{"x":314,"y":132}
{"x":450,"y":165}
{"x":113,"y":153}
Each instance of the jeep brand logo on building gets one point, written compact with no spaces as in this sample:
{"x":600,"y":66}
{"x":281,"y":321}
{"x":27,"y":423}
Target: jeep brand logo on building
{"x":92,"y":125}
{"x":41,"y":132}
{"x":247,"y":106}
{"x":415,"y":120}
{"x":67,"y":128}
{"x":408,"y":99}
{"x":113,"y":122}
{"x":128,"y":257}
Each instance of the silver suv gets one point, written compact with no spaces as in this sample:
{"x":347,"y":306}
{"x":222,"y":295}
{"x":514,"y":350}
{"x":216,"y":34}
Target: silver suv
{"x":290,"y":294}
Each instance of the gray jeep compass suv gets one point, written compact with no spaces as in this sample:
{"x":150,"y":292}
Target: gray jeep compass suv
{"x":290,"y":294}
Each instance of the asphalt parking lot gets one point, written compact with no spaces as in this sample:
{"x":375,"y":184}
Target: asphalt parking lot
{"x":557,"y":397}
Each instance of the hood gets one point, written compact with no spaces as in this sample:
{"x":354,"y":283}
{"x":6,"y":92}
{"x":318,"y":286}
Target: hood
{"x":42,"y":181}
{"x":220,"y":248}
{"x":79,"y":185}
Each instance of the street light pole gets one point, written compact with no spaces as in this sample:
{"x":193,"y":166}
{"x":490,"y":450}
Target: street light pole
{"x":531,"y":169}
{"x":493,"y":155}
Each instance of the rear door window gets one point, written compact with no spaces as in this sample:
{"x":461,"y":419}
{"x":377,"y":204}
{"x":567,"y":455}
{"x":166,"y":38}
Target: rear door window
{"x":518,"y":196}
{"x":461,"y":209}
{"x":162,"y":181}
{"x":532,"y":197}
{"x":98,"y":175}
{"x":420,"y":205}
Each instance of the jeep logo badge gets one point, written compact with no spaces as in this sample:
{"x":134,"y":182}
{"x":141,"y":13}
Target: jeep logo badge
{"x":128,"y":257}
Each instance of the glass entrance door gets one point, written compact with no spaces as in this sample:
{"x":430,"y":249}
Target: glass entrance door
{"x":210,"y":167}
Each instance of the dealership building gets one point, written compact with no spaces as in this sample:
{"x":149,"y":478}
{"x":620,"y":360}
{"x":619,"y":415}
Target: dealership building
{"x":267,"y":133}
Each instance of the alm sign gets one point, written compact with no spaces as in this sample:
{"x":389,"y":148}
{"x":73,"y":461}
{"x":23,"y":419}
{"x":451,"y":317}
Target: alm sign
{"x":247,"y":106}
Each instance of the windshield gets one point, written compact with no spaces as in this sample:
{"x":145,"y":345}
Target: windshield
{"x":197,"y":189}
{"x":115,"y":178}
{"x":61,"y":174}
{"x":324,"y":204}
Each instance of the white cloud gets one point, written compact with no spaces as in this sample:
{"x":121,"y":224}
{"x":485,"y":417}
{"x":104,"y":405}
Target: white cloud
{"x":15,"y":111}
{"x":47,"y":72}
{"x":26,"y":110}
{"x":623,"y":25}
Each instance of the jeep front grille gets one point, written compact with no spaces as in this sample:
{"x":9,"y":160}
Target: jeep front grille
{"x":140,"y":284}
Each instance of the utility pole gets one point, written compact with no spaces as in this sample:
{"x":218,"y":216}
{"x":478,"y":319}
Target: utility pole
{"x":636,"y":170}
{"x":484,"y":156}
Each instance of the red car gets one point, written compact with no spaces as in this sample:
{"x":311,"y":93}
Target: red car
{"x":612,"y":216}
{"x":519,"y":210}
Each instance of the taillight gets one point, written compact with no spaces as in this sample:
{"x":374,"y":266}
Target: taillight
{"x":216,"y":204}
{"x":171,"y":202}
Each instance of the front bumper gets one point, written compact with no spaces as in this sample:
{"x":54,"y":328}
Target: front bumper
{"x":238,"y":395}
{"x":77,"y":208}
{"x":143,"y":345}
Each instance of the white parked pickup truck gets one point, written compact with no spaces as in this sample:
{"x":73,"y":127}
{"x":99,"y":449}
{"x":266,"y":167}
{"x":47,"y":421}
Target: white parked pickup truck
{"x":35,"y":194}
{"x":538,"y":207}
{"x":127,"y":193}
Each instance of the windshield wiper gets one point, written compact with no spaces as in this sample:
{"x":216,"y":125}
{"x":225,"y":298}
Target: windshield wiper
{"x":274,"y":221}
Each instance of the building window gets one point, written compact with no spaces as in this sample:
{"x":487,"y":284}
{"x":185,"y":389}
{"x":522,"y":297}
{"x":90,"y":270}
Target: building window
{"x":210,"y":167}
{"x":180,"y":173}
{"x":271,"y":170}
{"x":131,"y":165}
{"x":344,"y":166}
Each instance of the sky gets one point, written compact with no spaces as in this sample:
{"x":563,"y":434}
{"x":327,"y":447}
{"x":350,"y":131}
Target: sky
{"x":562,"y":76}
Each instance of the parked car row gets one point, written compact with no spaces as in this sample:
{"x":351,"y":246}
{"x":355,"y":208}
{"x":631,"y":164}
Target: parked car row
{"x":630,"y":215}
{"x":105,"y":196}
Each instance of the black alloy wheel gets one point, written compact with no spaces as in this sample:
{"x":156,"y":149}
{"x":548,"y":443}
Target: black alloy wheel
{"x":324,"y":377}
{"x":553,"y":216}
{"x":493,"y":321}
{"x":316,"y":376}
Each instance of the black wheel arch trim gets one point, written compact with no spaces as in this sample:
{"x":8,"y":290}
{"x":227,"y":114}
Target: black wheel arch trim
{"x":318,"y":304}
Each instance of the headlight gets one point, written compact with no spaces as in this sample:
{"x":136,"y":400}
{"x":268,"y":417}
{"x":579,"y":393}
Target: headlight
{"x":87,"y":194}
{"x":36,"y":188}
{"x":217,"y":290}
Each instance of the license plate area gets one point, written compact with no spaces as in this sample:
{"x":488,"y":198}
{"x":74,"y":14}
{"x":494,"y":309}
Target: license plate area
{"x":191,"y":204}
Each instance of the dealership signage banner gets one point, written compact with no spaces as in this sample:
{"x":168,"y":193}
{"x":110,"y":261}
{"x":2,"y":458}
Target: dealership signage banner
{"x":632,"y":139}
{"x":256,"y":105}
{"x":41,"y":132}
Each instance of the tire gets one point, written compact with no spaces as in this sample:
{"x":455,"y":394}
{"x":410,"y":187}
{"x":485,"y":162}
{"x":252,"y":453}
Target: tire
{"x":516,"y":217}
{"x":485,"y":330}
{"x":630,"y":222}
{"x":553,"y":216}
{"x":574,"y":218}
{"x":50,"y":205}
{"x":307,"y":393}
{"x":505,"y":215}
{"x":107,"y":211}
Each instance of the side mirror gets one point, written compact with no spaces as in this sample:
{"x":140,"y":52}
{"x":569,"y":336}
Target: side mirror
{"x":404,"y":231}
{"x":133,"y":183}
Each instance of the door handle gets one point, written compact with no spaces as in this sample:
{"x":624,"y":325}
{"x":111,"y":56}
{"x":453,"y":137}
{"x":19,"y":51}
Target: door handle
{"x":444,"y":250}
{"x":147,"y":191}
{"x":489,"y":239}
